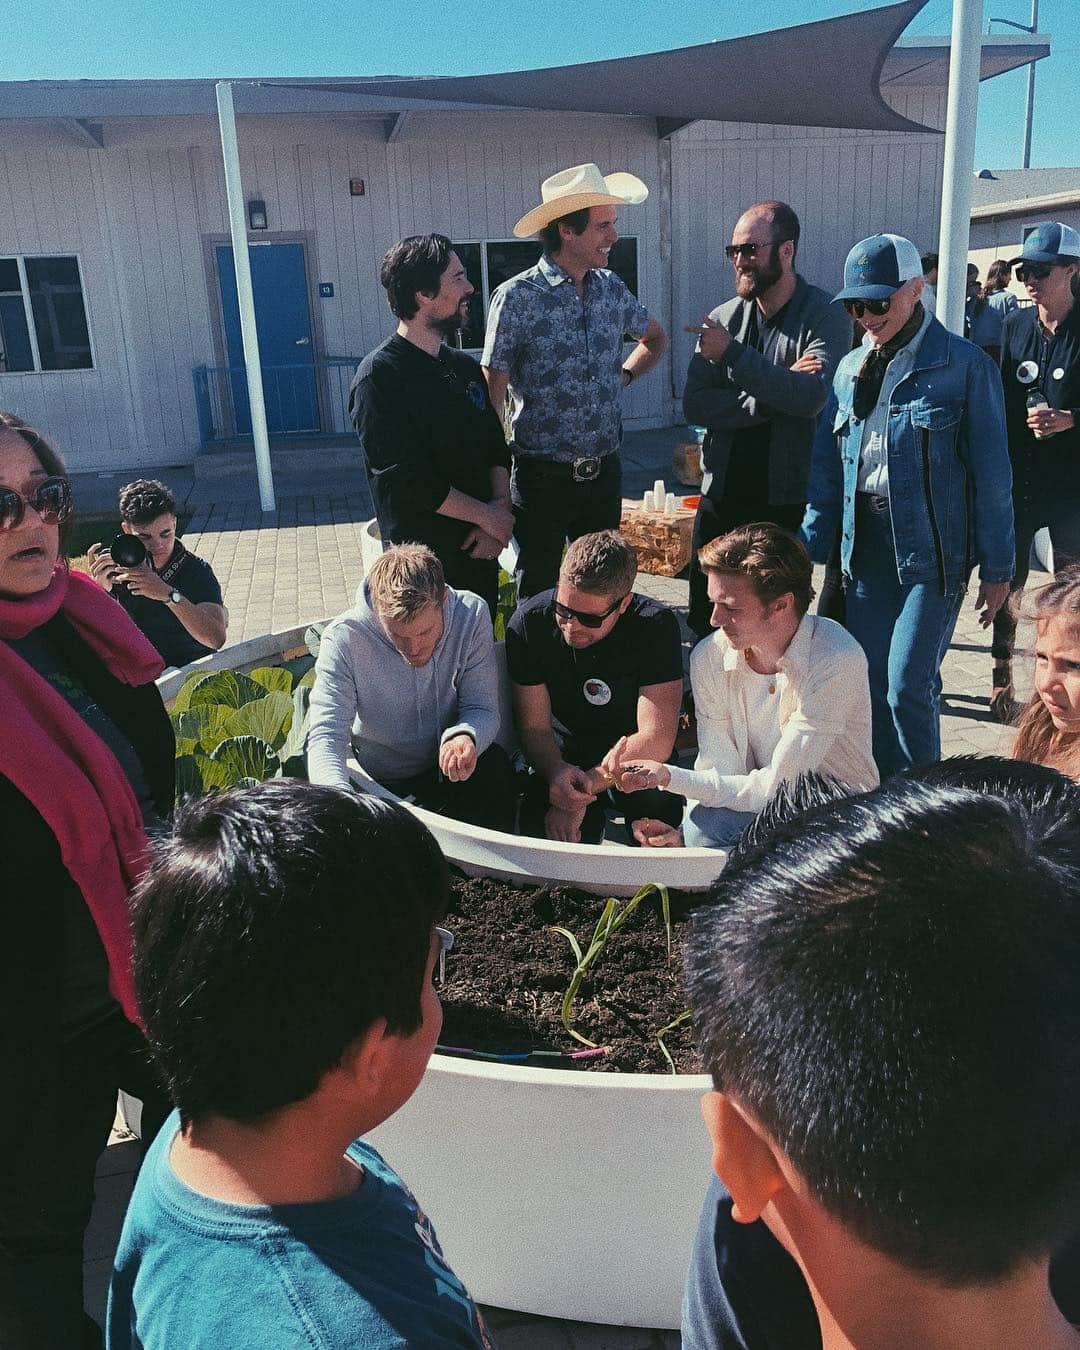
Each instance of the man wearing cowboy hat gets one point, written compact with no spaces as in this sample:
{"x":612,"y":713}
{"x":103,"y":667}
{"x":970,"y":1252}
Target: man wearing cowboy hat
{"x":555,"y":340}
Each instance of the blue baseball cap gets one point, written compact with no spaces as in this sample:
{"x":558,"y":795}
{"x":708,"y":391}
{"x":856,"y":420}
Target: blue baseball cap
{"x":1049,"y":242}
{"x":878,"y":266}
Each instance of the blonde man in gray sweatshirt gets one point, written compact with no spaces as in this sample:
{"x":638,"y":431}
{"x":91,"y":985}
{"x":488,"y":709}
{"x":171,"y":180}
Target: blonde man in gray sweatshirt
{"x":407,"y":680}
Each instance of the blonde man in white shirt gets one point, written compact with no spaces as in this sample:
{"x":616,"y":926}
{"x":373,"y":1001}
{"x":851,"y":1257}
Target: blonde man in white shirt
{"x":777,"y":691}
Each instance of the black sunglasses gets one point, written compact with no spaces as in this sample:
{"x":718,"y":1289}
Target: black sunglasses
{"x":564,"y":612}
{"x":857,"y":308}
{"x":51,"y":500}
{"x":750,"y":249}
{"x":1033,"y":271}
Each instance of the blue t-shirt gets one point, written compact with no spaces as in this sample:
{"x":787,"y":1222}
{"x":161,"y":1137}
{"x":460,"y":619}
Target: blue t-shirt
{"x":364,"y":1272}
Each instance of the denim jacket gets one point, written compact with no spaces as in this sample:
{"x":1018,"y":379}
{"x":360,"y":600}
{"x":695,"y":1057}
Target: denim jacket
{"x":950,"y":480}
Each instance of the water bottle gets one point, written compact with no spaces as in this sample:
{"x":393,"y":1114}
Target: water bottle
{"x":1037,"y":399}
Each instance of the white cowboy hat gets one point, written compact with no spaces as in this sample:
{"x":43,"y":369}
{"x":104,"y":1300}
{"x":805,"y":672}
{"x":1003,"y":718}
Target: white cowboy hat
{"x":574,"y":189}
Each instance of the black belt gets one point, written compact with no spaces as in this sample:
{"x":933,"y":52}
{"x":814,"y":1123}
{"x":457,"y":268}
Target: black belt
{"x":873,"y":502}
{"x":585,"y":469}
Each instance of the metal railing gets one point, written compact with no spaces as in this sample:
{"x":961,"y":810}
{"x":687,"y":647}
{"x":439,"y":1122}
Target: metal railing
{"x":303,"y":402}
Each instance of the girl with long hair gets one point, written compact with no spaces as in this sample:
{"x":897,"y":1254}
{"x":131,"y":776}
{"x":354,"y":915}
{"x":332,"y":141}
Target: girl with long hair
{"x":1049,"y":730}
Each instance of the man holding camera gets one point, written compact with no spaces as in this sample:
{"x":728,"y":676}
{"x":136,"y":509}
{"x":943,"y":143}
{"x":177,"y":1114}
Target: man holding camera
{"x":172,"y":595}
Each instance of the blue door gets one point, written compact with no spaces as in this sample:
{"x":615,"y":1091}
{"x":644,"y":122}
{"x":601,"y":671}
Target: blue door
{"x":283,"y":319}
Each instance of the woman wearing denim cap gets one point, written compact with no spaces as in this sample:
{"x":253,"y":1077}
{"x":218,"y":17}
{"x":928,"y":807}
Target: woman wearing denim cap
{"x":86,"y":764}
{"x":910,"y":463}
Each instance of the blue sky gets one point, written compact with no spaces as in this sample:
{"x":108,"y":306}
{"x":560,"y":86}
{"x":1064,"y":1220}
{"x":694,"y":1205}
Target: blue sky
{"x":87,"y":39}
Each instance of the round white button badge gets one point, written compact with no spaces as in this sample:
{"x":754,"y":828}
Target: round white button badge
{"x":1027,"y":372}
{"x":1058,"y":374}
{"x":596,"y":692}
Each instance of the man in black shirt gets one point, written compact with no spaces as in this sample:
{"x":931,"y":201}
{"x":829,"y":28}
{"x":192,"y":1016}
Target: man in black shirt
{"x":590,"y":663}
{"x":174,"y":597}
{"x":1040,"y":369}
{"x":436,"y":456}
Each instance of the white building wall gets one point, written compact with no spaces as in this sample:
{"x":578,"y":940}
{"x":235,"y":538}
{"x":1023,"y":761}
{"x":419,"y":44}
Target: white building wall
{"x":843,"y":184}
{"x":144,"y":213}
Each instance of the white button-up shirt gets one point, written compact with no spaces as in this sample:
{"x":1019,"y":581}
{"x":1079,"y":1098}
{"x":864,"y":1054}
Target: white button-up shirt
{"x":823,"y":707}
{"x":874,"y":453}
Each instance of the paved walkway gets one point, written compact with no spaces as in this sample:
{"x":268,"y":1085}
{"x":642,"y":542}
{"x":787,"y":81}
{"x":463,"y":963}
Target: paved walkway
{"x":302,"y":563}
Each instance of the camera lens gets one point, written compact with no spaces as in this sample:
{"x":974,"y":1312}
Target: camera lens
{"x":127,"y":550}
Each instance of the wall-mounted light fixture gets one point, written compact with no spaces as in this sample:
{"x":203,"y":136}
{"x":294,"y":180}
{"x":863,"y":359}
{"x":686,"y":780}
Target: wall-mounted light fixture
{"x":256,"y":214}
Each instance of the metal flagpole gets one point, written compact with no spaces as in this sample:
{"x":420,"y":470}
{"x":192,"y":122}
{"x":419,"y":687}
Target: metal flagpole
{"x":234,"y":192}
{"x":965,"y":56}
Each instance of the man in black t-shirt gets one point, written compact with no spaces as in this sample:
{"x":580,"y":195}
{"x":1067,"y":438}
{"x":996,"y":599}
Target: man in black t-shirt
{"x":592,"y":663}
{"x":174,"y":597}
{"x":1040,"y":369}
{"x":436,"y":455}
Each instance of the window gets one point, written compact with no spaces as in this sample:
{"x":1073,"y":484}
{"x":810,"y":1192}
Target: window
{"x":42,"y":315}
{"x":492,"y":262}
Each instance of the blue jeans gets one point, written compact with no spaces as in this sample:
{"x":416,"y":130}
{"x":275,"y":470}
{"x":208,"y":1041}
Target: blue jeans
{"x":905,"y":631}
{"x":714,"y":826}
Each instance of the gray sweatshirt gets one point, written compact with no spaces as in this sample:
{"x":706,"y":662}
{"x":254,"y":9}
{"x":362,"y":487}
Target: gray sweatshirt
{"x":393,"y":715}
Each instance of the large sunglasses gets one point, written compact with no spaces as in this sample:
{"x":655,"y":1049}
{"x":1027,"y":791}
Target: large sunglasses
{"x":751,"y":248}
{"x":565,"y":613}
{"x":50,"y":499}
{"x":1033,"y":271}
{"x":857,"y":308}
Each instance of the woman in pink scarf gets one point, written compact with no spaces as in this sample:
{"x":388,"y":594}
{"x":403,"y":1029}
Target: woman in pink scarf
{"x":86,"y":766}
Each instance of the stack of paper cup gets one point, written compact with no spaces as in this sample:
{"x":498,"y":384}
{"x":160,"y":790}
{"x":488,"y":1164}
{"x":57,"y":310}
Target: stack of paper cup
{"x":669,"y":504}
{"x":648,"y":502}
{"x":659,"y":493}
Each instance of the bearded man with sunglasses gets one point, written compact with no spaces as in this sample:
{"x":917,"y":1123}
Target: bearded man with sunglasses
{"x":591,"y":663}
{"x":910,"y":462}
{"x":757,"y":381}
{"x":1040,"y":369}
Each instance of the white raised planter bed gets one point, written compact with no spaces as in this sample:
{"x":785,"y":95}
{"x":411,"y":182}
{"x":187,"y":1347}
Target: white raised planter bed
{"x":557,"y":1192}
{"x":608,"y":869}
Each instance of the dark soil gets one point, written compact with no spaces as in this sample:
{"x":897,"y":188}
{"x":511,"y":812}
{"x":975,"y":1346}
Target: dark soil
{"x":507,"y":973}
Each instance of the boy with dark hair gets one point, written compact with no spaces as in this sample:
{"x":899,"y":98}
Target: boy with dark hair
{"x":907,"y":1132}
{"x":173,"y":596}
{"x":285,"y":940}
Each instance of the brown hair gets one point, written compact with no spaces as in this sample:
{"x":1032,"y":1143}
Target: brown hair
{"x":49,"y":457}
{"x":600,"y":564}
{"x":1037,"y":739}
{"x":998,"y":276}
{"x":404,"y":580}
{"x":772,"y":560}
{"x":551,"y":239}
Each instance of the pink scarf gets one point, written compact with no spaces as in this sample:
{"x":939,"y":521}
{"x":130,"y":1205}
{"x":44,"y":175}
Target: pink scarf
{"x":53,"y":758}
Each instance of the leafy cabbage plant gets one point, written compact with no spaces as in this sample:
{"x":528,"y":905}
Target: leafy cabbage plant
{"x":233,"y":730}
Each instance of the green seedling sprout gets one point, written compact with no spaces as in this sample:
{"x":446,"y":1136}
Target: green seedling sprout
{"x":675,"y":1022}
{"x":611,"y":920}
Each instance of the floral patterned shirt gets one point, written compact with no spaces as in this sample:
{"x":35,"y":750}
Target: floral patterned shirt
{"x":563,"y":353}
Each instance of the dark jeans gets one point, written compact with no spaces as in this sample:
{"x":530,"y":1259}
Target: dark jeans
{"x":1061,"y":516}
{"x":652,"y":803}
{"x":550,"y":508}
{"x":487,"y":797}
{"x":743,"y":500}
{"x":58,"y":1125}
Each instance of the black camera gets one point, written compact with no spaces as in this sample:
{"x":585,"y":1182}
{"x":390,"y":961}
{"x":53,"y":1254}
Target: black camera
{"x":127,"y":550}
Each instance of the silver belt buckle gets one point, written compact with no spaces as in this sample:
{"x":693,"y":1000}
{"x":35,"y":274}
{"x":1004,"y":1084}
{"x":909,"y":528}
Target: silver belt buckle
{"x":586,"y":469}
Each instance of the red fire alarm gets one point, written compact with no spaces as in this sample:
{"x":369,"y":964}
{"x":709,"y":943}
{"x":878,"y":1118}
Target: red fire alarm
{"x":356,"y":187}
